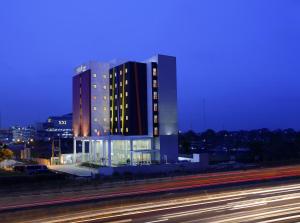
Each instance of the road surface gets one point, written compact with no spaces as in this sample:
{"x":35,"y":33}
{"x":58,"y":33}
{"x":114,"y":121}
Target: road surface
{"x":263,"y":204}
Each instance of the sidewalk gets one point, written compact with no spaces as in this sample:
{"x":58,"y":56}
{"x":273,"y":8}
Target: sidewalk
{"x":74,"y":170}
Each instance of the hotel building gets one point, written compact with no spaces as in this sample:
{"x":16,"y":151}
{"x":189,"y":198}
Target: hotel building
{"x":126,"y":113}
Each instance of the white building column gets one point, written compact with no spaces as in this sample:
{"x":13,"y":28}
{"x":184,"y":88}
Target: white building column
{"x":109,"y":152}
{"x":95,"y":143}
{"x":83,"y":152}
{"x":90,"y":150}
{"x":131,"y":152}
{"x":74,"y":151}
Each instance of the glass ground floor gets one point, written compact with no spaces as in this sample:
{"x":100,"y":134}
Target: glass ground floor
{"x":115,"y":151}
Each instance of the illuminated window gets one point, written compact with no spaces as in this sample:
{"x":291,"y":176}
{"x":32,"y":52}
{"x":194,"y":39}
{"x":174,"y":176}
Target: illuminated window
{"x":121,"y":83}
{"x":115,"y":74}
{"x":104,"y":119}
{"x":104,"y":97}
{"x":121,"y":95}
{"x":155,"y":83}
{"x":116,"y":108}
{"x":126,"y":82}
{"x":155,"y":96}
{"x":116,"y":96}
{"x":126,"y":70}
{"x":104,"y":108}
{"x":126,"y":106}
{"x":121,"y":107}
{"x":110,"y":75}
{"x":126,"y":129}
{"x":121,"y":72}
{"x":110,"y":86}
{"x":154,"y":71}
{"x":155,"y":107}
{"x":116,"y":119}
{"x":126,"y":117}
{"x":155,"y":131}
{"x":94,"y":86}
{"x":94,"y":75}
{"x":126,"y":93}
{"x":116,"y":130}
{"x":104,"y":76}
{"x":94,"y":97}
{"x":96,"y":130}
{"x":95,"y":119}
{"x":115,"y":85}
{"x":104,"y":87}
{"x":155,"y":119}
{"x":110,"y":97}
{"x":94,"y":108}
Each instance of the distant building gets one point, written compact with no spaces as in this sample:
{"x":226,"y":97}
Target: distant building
{"x":55,"y":127}
{"x":23,"y":134}
{"x":126,"y":113}
{"x":6,"y":135}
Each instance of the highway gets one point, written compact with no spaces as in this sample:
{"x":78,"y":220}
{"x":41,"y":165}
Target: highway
{"x":264,"y":204}
{"x":168,"y":200}
{"x":9,"y":202}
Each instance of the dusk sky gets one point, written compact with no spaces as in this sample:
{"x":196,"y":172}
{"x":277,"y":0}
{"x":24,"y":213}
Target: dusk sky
{"x":239,"y":58}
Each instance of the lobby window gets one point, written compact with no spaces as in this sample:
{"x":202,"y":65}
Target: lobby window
{"x":155,"y":131}
{"x":94,"y":86}
{"x":154,"y":71}
{"x":155,"y":119}
{"x":155,"y":83}
{"x":155,"y":108}
{"x":94,"y":75}
{"x":155,"y":95}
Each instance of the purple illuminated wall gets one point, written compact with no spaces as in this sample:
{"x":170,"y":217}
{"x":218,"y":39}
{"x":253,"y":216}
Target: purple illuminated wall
{"x":82,"y":104}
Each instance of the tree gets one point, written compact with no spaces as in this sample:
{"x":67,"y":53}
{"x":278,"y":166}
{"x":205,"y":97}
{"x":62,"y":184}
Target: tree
{"x":5,"y":153}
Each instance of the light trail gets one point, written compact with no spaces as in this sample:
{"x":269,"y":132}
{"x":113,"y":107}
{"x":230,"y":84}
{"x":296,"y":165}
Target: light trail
{"x":195,"y":201}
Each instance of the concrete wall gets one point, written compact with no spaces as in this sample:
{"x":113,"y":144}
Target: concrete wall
{"x":151,"y":169}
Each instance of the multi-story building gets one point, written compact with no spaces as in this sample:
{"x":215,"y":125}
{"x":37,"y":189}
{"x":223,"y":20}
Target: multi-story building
{"x":23,"y":134}
{"x":55,"y":127}
{"x":126,"y":113}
